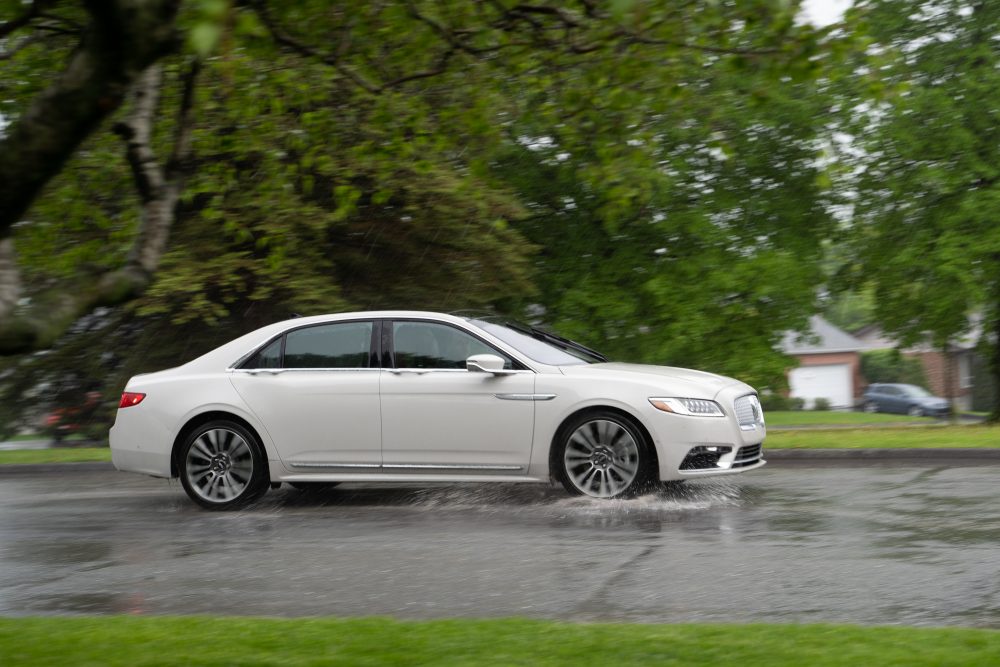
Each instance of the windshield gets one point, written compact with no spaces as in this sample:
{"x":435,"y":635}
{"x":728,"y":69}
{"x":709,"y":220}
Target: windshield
{"x":541,"y":346}
{"x":914,"y":391}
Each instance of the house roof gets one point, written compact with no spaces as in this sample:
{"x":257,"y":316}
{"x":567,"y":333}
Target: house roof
{"x":874,"y":338}
{"x":822,"y":338}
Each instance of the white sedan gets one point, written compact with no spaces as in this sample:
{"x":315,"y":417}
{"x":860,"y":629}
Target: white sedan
{"x":425,"y":397}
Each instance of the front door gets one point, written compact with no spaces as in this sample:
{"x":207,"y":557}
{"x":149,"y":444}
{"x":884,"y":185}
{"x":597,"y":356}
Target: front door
{"x":438,"y":417}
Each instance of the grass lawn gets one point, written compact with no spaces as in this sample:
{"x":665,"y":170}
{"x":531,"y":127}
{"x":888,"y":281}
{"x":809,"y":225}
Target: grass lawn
{"x":123,"y":640}
{"x":822,"y":418}
{"x":27,"y":436}
{"x":63,"y":455}
{"x":916,"y":437}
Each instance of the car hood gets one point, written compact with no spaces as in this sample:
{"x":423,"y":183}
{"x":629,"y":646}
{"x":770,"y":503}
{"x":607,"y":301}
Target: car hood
{"x":690,"y":383}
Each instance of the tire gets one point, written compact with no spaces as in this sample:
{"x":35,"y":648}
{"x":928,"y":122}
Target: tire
{"x":313,"y":487}
{"x":915,"y":411}
{"x":222,"y":466}
{"x":603,"y":455}
{"x":871,"y":407}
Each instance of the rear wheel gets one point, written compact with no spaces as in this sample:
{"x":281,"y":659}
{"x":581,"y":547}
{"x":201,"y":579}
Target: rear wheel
{"x":915,"y":411}
{"x":222,"y":466}
{"x":603,"y":455}
{"x":871,"y":407}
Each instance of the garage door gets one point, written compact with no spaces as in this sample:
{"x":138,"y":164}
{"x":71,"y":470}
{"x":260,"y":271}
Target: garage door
{"x":832,"y":382}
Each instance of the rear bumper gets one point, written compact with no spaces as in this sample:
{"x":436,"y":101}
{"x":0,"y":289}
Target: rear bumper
{"x":139,"y":444}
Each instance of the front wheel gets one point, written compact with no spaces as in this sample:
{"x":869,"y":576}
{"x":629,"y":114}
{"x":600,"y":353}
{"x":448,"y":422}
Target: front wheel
{"x":915,"y":411}
{"x":603,"y":455}
{"x":222,"y":466}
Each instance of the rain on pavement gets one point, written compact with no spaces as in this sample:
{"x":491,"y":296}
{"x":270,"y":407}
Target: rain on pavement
{"x":915,"y":544}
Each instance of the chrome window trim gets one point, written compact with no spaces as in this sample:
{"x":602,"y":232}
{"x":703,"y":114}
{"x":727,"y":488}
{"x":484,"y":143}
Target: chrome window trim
{"x":463,"y":326}
{"x":292,"y":327}
{"x":481,"y":335}
{"x":278,"y":371}
{"x":421,"y":371}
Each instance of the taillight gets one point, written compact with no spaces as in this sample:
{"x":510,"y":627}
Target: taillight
{"x":130,"y":398}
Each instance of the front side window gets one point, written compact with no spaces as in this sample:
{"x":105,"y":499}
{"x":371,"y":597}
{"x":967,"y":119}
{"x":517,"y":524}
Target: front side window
{"x":431,"y":345}
{"x":342,"y":345}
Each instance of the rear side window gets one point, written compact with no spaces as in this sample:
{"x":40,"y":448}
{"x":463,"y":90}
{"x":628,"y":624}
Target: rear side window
{"x":269,"y":357}
{"x":343,"y":345}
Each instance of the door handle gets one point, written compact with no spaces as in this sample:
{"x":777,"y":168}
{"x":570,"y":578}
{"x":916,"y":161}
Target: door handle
{"x":414,"y":371}
{"x":270,"y":371}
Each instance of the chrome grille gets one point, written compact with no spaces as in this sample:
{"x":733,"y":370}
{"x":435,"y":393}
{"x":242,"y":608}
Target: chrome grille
{"x":749,"y":414}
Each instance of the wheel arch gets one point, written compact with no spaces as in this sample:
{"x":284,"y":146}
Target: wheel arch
{"x":593,"y":409}
{"x":204,"y":418}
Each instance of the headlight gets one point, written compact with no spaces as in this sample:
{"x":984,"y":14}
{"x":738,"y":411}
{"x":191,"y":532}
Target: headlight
{"x":693,"y":407}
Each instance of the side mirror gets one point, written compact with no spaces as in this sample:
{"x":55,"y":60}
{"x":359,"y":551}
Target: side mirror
{"x":485,"y":363}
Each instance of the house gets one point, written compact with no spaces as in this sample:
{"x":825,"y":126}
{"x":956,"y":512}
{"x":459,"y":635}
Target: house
{"x":829,"y":365}
{"x":950,"y":374}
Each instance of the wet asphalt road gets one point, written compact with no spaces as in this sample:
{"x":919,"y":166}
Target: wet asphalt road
{"x":867,"y":543}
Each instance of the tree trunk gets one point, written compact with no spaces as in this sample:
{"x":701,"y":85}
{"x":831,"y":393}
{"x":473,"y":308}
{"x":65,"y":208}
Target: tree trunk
{"x":995,"y":363}
{"x":10,"y":279}
{"x":949,"y":381}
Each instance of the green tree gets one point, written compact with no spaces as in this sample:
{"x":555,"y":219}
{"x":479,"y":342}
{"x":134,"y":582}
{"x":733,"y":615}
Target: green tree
{"x":924,"y":157}
{"x":329,"y":156}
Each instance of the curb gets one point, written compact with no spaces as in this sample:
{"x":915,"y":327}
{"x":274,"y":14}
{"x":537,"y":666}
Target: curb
{"x":899,"y":454}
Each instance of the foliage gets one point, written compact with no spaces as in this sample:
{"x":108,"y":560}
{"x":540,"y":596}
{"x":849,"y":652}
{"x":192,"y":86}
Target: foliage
{"x":208,"y":640}
{"x":821,"y":405}
{"x":923,"y":167}
{"x":640,"y":176}
{"x":892,"y":366}
{"x":778,"y":401}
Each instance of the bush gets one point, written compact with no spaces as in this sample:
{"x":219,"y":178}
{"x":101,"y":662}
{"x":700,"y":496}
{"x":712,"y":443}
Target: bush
{"x":821,"y":405}
{"x":773,"y":402}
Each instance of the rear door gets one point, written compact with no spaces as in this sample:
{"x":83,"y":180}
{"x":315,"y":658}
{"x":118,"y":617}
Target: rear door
{"x":316,"y":390}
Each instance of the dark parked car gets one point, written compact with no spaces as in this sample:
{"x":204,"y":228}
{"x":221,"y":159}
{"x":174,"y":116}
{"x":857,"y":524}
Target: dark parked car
{"x":904,"y":399}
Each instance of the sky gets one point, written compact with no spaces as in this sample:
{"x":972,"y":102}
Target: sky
{"x":824,"y":12}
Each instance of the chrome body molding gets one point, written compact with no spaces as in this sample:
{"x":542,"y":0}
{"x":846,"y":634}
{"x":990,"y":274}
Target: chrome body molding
{"x":408,"y":466}
{"x":448,"y":466}
{"x":525,"y":397}
{"x":335,"y":465}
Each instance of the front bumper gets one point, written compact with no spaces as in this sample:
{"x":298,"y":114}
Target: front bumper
{"x":706,"y":446}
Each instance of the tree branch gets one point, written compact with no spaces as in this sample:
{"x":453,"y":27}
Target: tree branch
{"x":34,"y":10}
{"x":51,"y":313}
{"x":286,"y":40}
{"x":123,"y":38}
